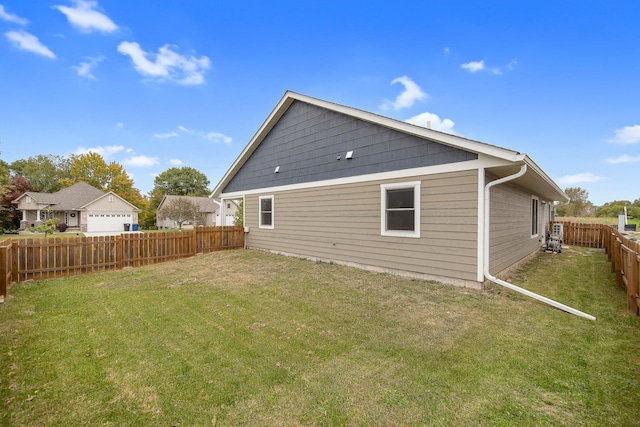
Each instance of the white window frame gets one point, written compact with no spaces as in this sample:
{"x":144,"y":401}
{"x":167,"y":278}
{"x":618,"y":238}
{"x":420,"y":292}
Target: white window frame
{"x":273,"y":212}
{"x":535,"y":216}
{"x":415,"y":233}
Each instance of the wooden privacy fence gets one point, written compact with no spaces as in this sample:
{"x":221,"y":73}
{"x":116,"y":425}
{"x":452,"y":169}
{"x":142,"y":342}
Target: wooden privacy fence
{"x":38,"y":259}
{"x":622,"y":252}
{"x":624,"y":255}
{"x":587,"y":235}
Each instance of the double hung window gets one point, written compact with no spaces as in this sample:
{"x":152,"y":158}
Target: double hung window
{"x":400,"y":209}
{"x":266,"y":211}
{"x":534,"y":216}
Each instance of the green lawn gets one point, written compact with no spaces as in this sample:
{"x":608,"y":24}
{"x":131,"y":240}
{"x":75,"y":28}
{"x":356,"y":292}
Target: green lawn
{"x":248,"y":338}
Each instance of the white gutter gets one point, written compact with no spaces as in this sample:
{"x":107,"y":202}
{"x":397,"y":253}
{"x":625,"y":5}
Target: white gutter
{"x":488,"y":276}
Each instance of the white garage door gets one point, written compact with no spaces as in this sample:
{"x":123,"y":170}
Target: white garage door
{"x":107,"y":222}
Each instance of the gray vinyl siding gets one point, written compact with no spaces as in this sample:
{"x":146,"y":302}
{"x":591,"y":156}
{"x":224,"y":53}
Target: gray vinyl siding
{"x":307,"y":140}
{"x":510,"y":229}
{"x":342,"y":223}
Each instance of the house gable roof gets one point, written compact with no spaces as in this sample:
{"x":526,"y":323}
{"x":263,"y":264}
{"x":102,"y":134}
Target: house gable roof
{"x":310,"y":144}
{"x":110,"y":193}
{"x":74,"y":197}
{"x":42,"y":198}
{"x":535,"y":176}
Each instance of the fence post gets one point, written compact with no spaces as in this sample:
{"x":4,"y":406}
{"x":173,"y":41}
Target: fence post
{"x":15,"y":277}
{"x":612,"y":252}
{"x":637,"y":283}
{"x":194,"y":241}
{"x":631,"y":274}
{"x":4,"y":262}
{"x":119,"y":253}
{"x":617,"y":265}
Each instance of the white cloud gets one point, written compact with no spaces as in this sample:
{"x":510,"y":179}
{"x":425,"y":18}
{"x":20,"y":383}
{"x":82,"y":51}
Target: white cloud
{"x":218,"y":137}
{"x":165,"y":135}
{"x":432,"y":121}
{"x":167,"y":65}
{"x":446,"y":50}
{"x":627,"y":135}
{"x":140,"y":161}
{"x":473,"y":66}
{"x":407,"y":98}
{"x":624,"y":159}
{"x":86,"y":19}
{"x":184,"y":129}
{"x":10,"y":17}
{"x":176,"y":162}
{"x":119,"y":125}
{"x":579,"y":178}
{"x":25,"y":41}
{"x":85,"y":69}
{"x":103,"y":151}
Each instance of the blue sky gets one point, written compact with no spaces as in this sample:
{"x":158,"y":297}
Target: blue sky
{"x":156,"y":84}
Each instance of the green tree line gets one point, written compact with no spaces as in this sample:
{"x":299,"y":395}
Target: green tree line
{"x":580,"y":206}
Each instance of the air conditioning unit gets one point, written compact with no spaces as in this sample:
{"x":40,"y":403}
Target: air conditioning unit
{"x":555,"y":239}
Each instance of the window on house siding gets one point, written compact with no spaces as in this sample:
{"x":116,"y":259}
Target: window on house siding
{"x":400,"y":209}
{"x":534,"y":216}
{"x":266,"y":211}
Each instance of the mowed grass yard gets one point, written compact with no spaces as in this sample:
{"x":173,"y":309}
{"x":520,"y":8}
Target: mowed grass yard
{"x":249,"y":338}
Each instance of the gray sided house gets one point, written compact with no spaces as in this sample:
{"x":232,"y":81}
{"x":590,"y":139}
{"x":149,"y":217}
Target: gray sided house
{"x":209,"y":212}
{"x":328,"y":182}
{"x":81,"y":207}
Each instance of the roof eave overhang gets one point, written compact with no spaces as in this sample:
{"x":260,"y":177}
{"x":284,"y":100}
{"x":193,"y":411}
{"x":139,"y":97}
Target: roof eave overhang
{"x":535,"y":180}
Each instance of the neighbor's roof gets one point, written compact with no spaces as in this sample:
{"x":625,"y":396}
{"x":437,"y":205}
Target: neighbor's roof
{"x":75,"y":197}
{"x":205,"y":204}
{"x":535,"y":175}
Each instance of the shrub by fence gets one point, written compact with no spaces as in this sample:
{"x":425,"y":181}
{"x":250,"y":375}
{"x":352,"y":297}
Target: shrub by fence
{"x":38,"y":259}
{"x":622,"y":252}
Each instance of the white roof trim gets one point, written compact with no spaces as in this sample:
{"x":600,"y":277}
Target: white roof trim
{"x":381,"y":176}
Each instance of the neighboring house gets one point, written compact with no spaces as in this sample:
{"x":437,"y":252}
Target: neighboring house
{"x":80,"y":206}
{"x":209,"y":212}
{"x":328,"y":182}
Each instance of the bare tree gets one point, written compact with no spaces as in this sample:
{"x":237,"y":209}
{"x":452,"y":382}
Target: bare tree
{"x":181,"y":210}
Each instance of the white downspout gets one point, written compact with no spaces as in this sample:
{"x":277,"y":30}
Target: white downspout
{"x":487,"y":274}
